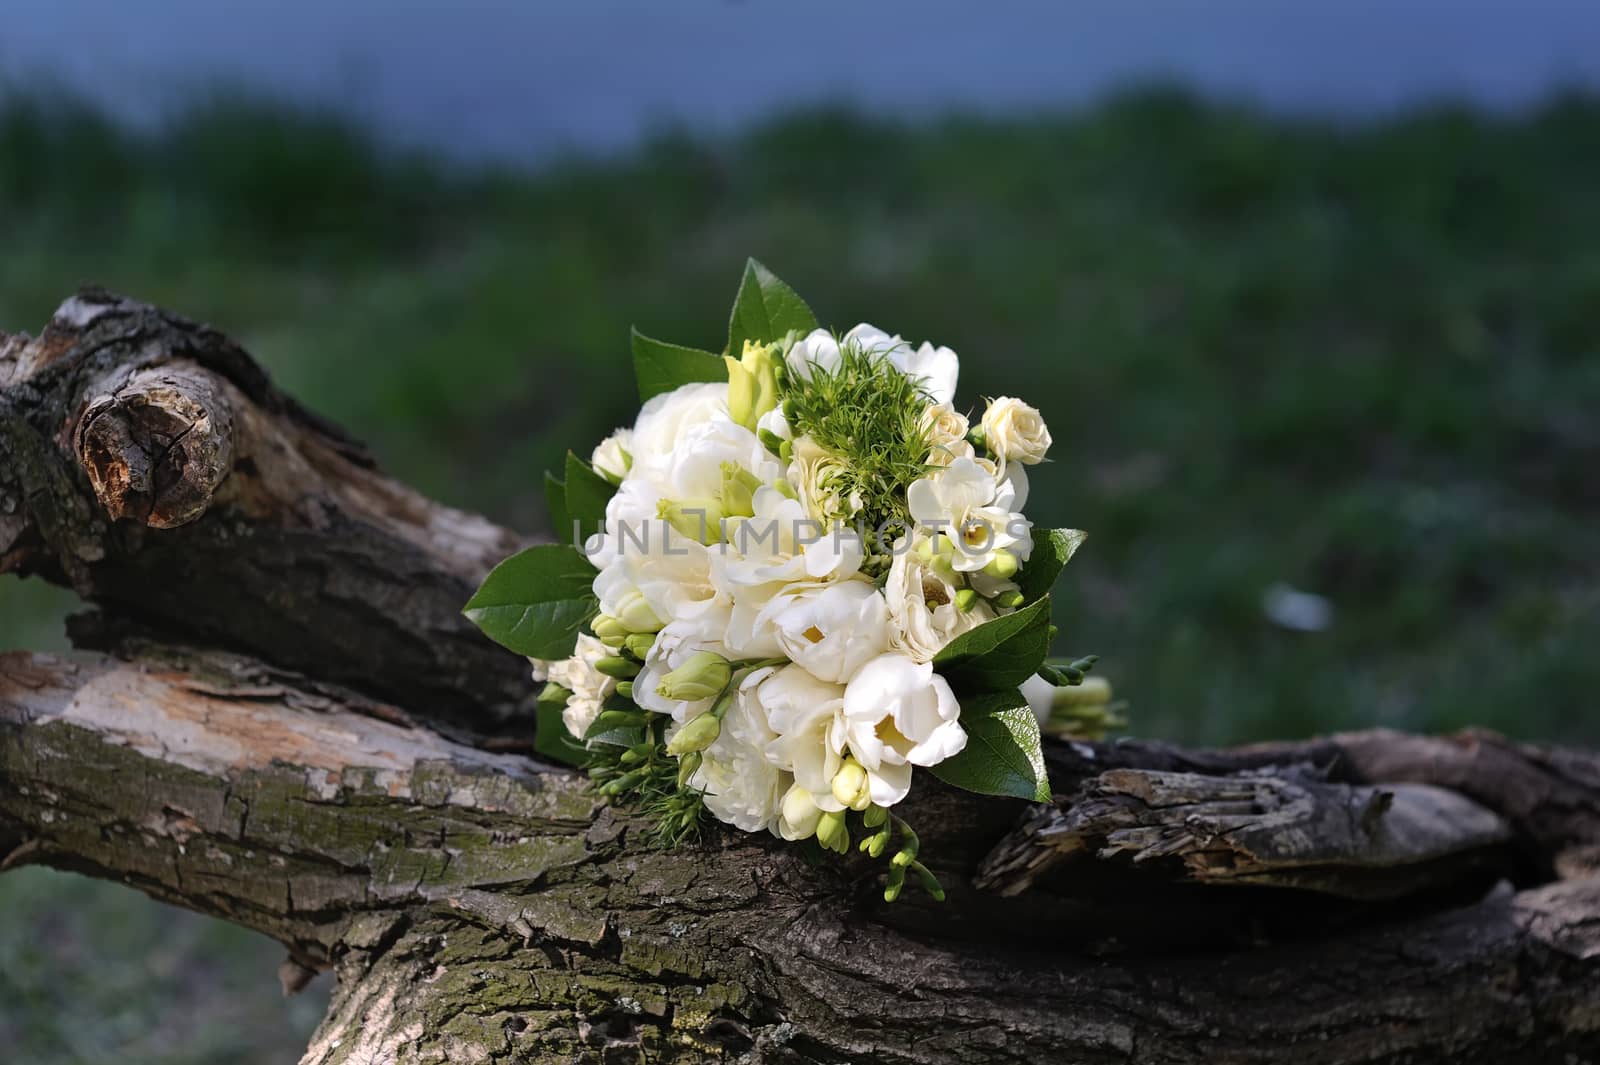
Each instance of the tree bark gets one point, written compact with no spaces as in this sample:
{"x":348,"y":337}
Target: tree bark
{"x":294,"y":731}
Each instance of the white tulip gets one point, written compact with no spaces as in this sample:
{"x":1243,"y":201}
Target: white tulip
{"x":829,"y":628}
{"x":964,"y":503}
{"x":613,"y":456}
{"x":816,"y":350}
{"x":935,"y":369}
{"x":1014,"y":431}
{"x":898,"y":714}
{"x":589,"y":687}
{"x":923,"y":615}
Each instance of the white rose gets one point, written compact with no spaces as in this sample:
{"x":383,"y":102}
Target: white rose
{"x":964,"y":503}
{"x":923,"y":615}
{"x":1014,"y":431}
{"x":829,"y":628}
{"x":898,"y":714}
{"x":947,"y":429}
{"x":614,"y":455}
{"x":589,"y":687}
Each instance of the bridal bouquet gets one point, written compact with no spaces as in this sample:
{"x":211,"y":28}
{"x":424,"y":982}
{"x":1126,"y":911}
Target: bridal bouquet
{"x":801,"y":576}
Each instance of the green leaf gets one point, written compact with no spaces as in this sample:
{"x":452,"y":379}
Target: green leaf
{"x":1050,"y":555}
{"x":587,"y":494}
{"x":661,"y":367}
{"x":998,"y":654}
{"x":537,"y":601}
{"x":1002,"y":756}
{"x":555,"y":500}
{"x":550,"y":735}
{"x":765,"y":309}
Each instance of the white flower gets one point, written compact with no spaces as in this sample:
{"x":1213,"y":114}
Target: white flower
{"x":742,"y":787}
{"x":947,"y":434}
{"x":898,"y":714}
{"x":819,"y":479}
{"x":798,"y":814}
{"x":694,"y":469}
{"x":964,"y":503}
{"x":614,"y":455}
{"x":781,"y":543}
{"x":589,"y":686}
{"x":540,"y":669}
{"x":631,"y":510}
{"x":829,"y":628}
{"x":923,"y":615}
{"x":674,"y":645}
{"x":806,"y":716}
{"x":665,"y":419}
{"x":1014,"y":431}
{"x":775,"y":423}
{"x":935,"y":369}
{"x":816,"y":350}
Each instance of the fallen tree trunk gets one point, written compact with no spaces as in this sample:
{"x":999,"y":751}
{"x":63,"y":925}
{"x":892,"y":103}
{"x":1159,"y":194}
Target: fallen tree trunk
{"x":257,"y":747}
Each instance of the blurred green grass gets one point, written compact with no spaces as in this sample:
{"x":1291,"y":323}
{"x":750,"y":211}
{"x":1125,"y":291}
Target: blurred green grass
{"x":1361,"y":361}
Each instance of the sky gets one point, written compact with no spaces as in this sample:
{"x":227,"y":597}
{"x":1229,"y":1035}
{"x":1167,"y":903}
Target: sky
{"x":524,"y":78}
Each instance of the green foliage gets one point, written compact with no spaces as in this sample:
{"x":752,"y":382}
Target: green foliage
{"x":586,"y":494}
{"x":537,"y":601}
{"x":550,"y":736}
{"x":1003,"y":755}
{"x":661,"y":367}
{"x":1052,"y":550}
{"x":998,"y":654}
{"x":870,"y":416}
{"x":765,"y":310}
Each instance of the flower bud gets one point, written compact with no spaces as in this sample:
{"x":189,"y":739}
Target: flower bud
{"x":832,"y":832}
{"x":696,"y":736}
{"x":850,"y":785}
{"x":704,"y":675}
{"x":636,"y":615}
{"x":1003,"y":565}
{"x":1008,"y":600}
{"x":625,"y":688}
{"x":752,"y":383}
{"x":875,"y":816}
{"x":698,"y":519}
{"x":800,"y":813}
{"x":738,"y":491}
{"x":966,"y":599}
{"x":638,"y":644}
{"x":688,"y":766}
{"x":618,"y":667}
{"x":608,"y":629}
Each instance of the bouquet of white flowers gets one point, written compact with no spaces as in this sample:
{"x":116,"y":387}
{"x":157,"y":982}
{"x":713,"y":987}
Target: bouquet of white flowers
{"x":800,"y":576}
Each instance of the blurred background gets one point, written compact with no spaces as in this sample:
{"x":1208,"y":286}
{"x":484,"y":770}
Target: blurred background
{"x":1309,"y":295}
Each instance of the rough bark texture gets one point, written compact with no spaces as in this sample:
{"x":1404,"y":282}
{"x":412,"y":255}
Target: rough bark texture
{"x":294,"y":733}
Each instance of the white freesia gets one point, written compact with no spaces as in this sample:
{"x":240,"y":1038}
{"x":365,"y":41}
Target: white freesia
{"x":1015,"y":431}
{"x":898,"y":714}
{"x":673,"y":646}
{"x":798,"y":814}
{"x":614,"y":455}
{"x":782,"y":543}
{"x":589,"y":687}
{"x":920,"y":594}
{"x":742,"y":788}
{"x":829,"y":628}
{"x":806,"y":716}
{"x":966,"y":505}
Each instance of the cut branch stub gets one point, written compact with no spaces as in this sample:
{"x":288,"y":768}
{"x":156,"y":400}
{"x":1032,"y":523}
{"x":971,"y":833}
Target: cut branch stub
{"x":157,"y":447}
